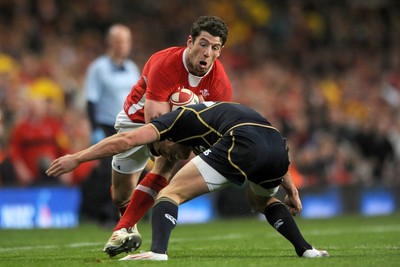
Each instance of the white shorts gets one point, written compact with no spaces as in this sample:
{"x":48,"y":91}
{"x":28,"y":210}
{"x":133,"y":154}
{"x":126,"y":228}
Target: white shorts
{"x":216,"y":181}
{"x":134,"y":159}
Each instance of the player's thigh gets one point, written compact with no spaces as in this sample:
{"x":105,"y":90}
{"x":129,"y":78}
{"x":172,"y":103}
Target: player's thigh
{"x":135,"y":159}
{"x":126,"y":170}
{"x":163,"y":167}
{"x":188,"y":183}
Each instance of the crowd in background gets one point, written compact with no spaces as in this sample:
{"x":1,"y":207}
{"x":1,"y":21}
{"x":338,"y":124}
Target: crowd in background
{"x":326,"y":73}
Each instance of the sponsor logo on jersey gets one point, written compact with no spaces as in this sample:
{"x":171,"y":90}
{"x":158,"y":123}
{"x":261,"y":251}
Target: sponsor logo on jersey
{"x":204,"y":92}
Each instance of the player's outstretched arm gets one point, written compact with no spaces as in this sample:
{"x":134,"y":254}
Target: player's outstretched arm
{"x":109,"y":146}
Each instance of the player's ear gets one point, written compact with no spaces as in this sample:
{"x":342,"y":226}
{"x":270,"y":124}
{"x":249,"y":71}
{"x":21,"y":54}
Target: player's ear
{"x":189,"y":41}
{"x":220,"y":51}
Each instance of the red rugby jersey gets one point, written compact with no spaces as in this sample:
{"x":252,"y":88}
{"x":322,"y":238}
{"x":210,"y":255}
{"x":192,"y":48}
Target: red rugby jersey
{"x":165,"y":72}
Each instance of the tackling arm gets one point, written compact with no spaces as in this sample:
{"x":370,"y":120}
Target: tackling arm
{"x":110,"y":146}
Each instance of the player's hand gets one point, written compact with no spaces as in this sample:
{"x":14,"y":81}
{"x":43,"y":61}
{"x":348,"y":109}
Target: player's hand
{"x":62,"y":165}
{"x":294,"y":204}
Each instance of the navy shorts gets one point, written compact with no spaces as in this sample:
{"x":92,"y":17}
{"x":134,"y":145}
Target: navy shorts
{"x":255,"y":153}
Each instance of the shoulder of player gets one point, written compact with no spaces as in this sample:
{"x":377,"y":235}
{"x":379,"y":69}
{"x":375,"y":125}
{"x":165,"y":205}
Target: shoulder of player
{"x":220,"y":79}
{"x":166,"y":61}
{"x":218,"y":70}
{"x":222,"y":75}
{"x":170,"y":53}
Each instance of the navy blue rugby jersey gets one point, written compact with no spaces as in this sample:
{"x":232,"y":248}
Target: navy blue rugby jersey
{"x":202,"y":125}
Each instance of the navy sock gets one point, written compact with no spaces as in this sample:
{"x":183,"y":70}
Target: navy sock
{"x":280,"y":218}
{"x":164,"y":219}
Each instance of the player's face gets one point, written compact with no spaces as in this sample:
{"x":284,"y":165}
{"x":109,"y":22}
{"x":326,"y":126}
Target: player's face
{"x":171,"y":150}
{"x":202,"y":53}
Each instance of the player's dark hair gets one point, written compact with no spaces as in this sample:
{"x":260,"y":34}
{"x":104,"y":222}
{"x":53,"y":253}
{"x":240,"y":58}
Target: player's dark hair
{"x":211,"y":24}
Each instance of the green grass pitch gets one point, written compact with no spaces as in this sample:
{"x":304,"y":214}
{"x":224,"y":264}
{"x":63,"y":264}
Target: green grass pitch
{"x":351,"y":240}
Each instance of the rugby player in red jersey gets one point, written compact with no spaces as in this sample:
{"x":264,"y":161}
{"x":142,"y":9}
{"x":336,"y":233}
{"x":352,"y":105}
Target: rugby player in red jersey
{"x":195,"y":67}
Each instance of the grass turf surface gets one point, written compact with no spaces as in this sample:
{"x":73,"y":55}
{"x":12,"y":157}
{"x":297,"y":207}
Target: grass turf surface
{"x":351,"y":241}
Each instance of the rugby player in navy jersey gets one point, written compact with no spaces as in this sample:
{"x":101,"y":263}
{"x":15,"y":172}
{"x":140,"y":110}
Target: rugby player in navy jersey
{"x":235,"y":145}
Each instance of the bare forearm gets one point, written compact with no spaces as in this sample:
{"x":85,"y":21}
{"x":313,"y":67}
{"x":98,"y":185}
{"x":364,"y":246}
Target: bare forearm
{"x":292,"y":198}
{"x":289,"y":186}
{"x":118,"y":143}
{"x":105,"y":148}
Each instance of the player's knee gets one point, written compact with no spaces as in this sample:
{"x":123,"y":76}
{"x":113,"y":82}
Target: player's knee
{"x":121,"y":195}
{"x":122,"y":187}
{"x":177,"y":198}
{"x":258,"y":203}
{"x":161,"y":199}
{"x":256,"y":206}
{"x":121,"y":200}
